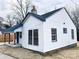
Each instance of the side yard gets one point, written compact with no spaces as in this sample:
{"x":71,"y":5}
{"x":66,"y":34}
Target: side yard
{"x":20,"y":53}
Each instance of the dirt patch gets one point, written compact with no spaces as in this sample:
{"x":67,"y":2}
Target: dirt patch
{"x":20,"y":53}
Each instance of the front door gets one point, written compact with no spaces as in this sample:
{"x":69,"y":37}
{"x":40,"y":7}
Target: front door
{"x":17,"y":35}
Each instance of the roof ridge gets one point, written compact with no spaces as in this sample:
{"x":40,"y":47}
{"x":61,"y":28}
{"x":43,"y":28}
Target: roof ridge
{"x":50,"y":13}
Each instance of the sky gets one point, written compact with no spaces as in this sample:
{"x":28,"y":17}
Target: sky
{"x":44,"y":5}
{"x":48,"y":5}
{"x":4,"y":8}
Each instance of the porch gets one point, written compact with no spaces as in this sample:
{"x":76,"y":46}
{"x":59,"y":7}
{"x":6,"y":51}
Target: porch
{"x":11,"y":38}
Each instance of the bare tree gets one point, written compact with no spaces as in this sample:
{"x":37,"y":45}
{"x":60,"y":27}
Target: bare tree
{"x":10,"y":20}
{"x":75,"y":14}
{"x":20,"y":9}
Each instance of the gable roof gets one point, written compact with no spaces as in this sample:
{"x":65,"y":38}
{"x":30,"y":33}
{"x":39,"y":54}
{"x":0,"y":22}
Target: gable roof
{"x":50,"y":13}
{"x":42,"y":17}
{"x":15,"y":27}
{"x":35,"y":15}
{"x":69,"y":16}
{"x":11,"y":29}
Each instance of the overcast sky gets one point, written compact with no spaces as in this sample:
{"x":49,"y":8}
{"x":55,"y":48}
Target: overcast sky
{"x":48,"y":5}
{"x":5,"y":8}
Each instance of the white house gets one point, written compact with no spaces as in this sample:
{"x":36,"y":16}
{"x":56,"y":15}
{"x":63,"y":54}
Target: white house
{"x":46,"y":32}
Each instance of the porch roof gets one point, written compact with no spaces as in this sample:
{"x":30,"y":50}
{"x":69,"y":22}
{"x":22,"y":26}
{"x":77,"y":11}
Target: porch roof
{"x":11,"y":29}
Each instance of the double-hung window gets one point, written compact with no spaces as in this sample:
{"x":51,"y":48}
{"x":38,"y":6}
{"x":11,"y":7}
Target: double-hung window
{"x":54,"y":34}
{"x":30,"y":37}
{"x":72,"y":33}
{"x":33,"y":37}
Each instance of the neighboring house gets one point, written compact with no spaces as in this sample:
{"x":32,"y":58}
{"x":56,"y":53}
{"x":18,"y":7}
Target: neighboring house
{"x":46,"y":32}
{"x":2,"y":24}
{"x":3,"y":27}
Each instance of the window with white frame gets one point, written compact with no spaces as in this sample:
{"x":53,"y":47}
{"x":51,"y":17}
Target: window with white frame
{"x":65,"y":30}
{"x":30,"y":37}
{"x":54,"y":34}
{"x":33,"y":37}
{"x":72,"y":33}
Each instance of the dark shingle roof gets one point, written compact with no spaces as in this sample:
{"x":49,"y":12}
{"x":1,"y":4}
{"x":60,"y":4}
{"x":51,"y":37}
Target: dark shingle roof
{"x":35,"y":15}
{"x":15,"y":27}
{"x":50,"y":13}
{"x":2,"y":29}
{"x":12,"y":28}
{"x":40,"y":17}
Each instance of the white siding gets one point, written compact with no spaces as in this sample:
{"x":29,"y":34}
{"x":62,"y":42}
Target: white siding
{"x":30,"y":24}
{"x":57,"y":21}
{"x":45,"y":42}
{"x":18,"y":30}
{"x":0,"y":33}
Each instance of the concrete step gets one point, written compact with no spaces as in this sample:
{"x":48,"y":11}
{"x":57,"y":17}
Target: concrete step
{"x":14,"y":46}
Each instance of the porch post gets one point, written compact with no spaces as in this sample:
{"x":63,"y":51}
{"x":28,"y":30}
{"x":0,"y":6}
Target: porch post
{"x":4,"y":37}
{"x":9,"y":38}
{"x":14,"y":38}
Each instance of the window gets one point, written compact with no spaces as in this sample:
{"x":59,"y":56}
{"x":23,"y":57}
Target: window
{"x":33,"y":37}
{"x":54,"y":34}
{"x":65,"y":30}
{"x":30,"y":37}
{"x":20,"y":34}
{"x":72,"y":33}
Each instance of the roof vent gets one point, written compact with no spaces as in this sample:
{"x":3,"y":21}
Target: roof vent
{"x":34,"y":10}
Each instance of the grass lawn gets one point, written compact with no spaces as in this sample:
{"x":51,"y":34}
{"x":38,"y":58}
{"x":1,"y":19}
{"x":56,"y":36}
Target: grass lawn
{"x":20,"y":53}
